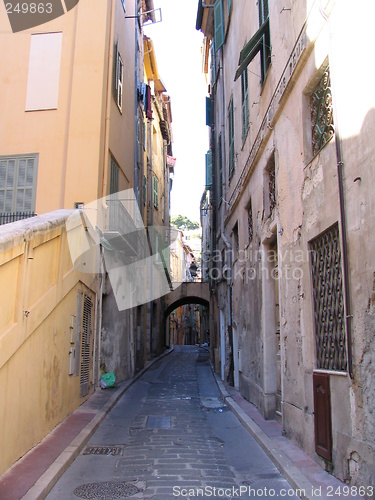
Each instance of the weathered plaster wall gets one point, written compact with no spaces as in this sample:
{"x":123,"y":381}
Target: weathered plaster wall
{"x":38,"y":310}
{"x":115,"y":337}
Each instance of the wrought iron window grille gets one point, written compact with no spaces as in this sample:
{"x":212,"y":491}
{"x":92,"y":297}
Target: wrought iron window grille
{"x":321,"y":109}
{"x":329,"y":317}
{"x":250,"y":222}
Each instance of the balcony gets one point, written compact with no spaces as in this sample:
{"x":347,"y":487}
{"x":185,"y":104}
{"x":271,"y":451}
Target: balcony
{"x":7,"y":217}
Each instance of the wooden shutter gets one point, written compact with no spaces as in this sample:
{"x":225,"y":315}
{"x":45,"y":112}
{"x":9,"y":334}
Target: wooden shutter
{"x":120,"y":82}
{"x":231,"y":137}
{"x":220,"y":159}
{"x":114,"y":177}
{"x":322,"y":415}
{"x":209,"y":169}
{"x":18,"y":177}
{"x":208,"y":111}
{"x":115,"y":70}
{"x":155,"y":191}
{"x":78,"y":335}
{"x":263,"y":11}
{"x":26,"y":184}
{"x":245,"y":103}
{"x":213,"y":64}
{"x":219,"y":24}
{"x":85,"y":347}
{"x":253,"y":46}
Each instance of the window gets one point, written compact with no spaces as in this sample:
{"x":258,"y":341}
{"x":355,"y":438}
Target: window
{"x":140,"y":138}
{"x":250,"y":223}
{"x":155,"y":189}
{"x":220,"y":160}
{"x":44,"y":71}
{"x":219,"y":24}
{"x":118,"y":78}
{"x":236,"y":241}
{"x":86,"y":346}
{"x":208,"y":111}
{"x":231,"y":137}
{"x":114,"y":180}
{"x":321,"y":113}
{"x":325,"y":255}
{"x":209,"y":170}
{"x":144,"y":190}
{"x":265,"y":48}
{"x":214,"y":65}
{"x":270,"y":187}
{"x":18,"y":179}
{"x":245,"y":103}
{"x":260,"y":42}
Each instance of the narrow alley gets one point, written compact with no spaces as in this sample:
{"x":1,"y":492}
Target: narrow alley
{"x":171,"y":436}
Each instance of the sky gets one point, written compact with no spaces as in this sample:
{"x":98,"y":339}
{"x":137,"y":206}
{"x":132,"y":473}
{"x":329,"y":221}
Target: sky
{"x":177,"y":47}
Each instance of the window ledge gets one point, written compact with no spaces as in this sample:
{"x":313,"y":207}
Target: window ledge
{"x":330,"y":372}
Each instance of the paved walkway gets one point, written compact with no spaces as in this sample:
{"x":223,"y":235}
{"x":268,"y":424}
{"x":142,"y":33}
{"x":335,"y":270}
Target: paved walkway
{"x":172,"y":436}
{"x":161,"y":415}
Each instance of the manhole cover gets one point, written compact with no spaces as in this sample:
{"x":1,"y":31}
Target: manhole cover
{"x":108,"y":490}
{"x":103,"y":450}
{"x":154,"y":422}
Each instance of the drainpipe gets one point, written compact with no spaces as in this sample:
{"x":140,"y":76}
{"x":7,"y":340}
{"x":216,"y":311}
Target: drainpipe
{"x":108,"y":107}
{"x":68,"y":114}
{"x":343,"y":224}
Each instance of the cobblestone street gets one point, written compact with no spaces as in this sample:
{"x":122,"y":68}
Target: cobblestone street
{"x":171,"y":436}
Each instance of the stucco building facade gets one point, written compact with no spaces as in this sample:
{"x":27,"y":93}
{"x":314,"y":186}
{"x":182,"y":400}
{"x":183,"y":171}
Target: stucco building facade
{"x":292,"y":261}
{"x":75,"y":130}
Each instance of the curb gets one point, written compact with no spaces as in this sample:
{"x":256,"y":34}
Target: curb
{"x":294,"y":476}
{"x":47,"y":481}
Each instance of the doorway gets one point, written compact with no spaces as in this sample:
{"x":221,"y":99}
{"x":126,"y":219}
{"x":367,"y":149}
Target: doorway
{"x":235,"y":358}
{"x":222,"y":343}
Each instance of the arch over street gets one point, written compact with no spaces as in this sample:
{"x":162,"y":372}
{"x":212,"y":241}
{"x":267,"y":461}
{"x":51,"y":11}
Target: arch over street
{"x":187,"y":293}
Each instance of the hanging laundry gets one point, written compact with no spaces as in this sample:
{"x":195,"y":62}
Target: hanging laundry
{"x":149,"y":105}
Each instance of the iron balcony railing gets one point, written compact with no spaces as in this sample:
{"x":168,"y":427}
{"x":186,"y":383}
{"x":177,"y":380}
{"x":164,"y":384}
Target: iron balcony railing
{"x":7,"y":217}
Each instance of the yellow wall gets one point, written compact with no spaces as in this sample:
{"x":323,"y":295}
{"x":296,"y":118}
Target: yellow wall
{"x":38,"y":298}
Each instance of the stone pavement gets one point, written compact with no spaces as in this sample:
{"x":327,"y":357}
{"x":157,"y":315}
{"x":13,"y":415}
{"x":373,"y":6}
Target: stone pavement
{"x":168,"y":430}
{"x":175,"y":438}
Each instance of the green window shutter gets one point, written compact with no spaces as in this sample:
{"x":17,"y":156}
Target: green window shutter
{"x":213,"y":64}
{"x":229,"y":4}
{"x":155,"y":187}
{"x":231,"y":136}
{"x":245,"y":103}
{"x":209,"y":170}
{"x":208,"y":111}
{"x":115,"y":70}
{"x":220,"y":158}
{"x":219,"y":24}
{"x":253,"y":46}
{"x":144,"y":190}
{"x":263,"y":11}
{"x":114,"y":177}
{"x":260,"y":42}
